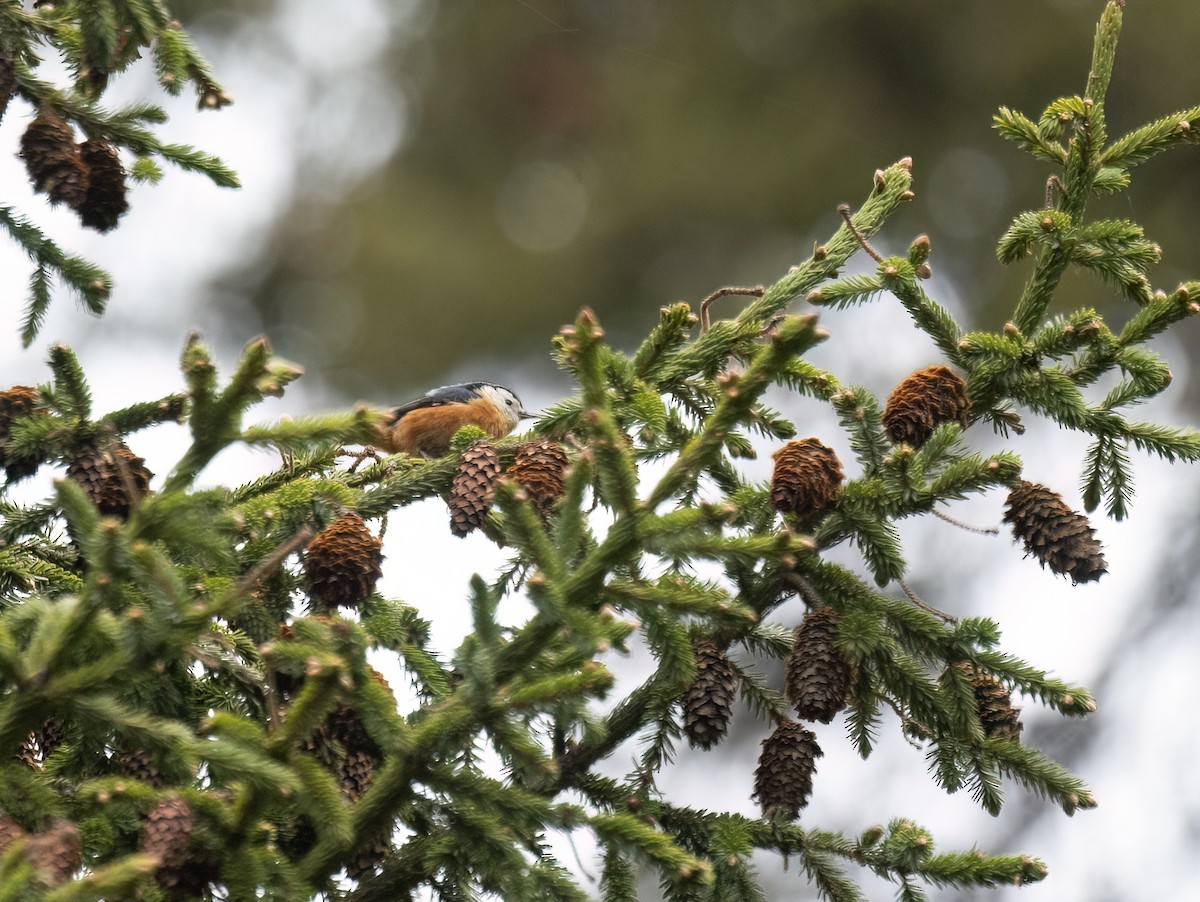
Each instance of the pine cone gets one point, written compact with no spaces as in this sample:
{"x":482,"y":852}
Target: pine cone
{"x":808,"y":478}
{"x":539,"y":468}
{"x":55,"y":852}
{"x":10,"y":831}
{"x":166,"y":834}
{"x":40,"y":744}
{"x":343,"y":563}
{"x":1053,"y":533}
{"x":359,"y":754}
{"x":473,"y":486}
{"x":8,"y":82}
{"x":708,"y":702}
{"x":52,"y":159}
{"x":783,"y":778}
{"x":114,"y":478}
{"x":27,"y":754}
{"x":183,"y":871}
{"x":138,"y":764}
{"x":922,"y":402}
{"x":51,"y":736}
{"x":368,"y":857}
{"x":18,"y":401}
{"x":994,"y":704}
{"x":818,"y":679}
{"x":104,"y":203}
{"x":356,"y":770}
{"x":377,"y":677}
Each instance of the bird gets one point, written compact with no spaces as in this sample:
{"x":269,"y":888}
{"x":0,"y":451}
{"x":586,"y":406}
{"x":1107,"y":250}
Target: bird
{"x":424,"y":427}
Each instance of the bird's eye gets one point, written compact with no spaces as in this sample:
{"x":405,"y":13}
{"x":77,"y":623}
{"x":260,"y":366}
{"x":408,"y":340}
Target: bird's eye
{"x":509,"y":403}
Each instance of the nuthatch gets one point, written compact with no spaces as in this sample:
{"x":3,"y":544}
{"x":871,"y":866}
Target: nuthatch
{"x":425,"y":426}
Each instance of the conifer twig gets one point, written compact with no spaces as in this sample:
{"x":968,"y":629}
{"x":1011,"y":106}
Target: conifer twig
{"x":924,"y":605}
{"x":978,"y":530}
{"x":270,"y":562}
{"x":807,"y":590}
{"x":844,"y":212}
{"x":705,"y":323}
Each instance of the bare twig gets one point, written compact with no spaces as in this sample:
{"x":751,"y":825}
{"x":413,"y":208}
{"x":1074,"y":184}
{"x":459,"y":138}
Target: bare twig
{"x":1054,"y":190}
{"x":268,"y":564}
{"x":844,"y":212}
{"x":359,"y":457}
{"x":924,"y":605}
{"x":755,"y":291}
{"x":978,"y":530}
{"x":806,"y":589}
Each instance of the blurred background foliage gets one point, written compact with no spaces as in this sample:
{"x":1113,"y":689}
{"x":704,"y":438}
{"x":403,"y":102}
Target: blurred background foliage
{"x":543,"y":155}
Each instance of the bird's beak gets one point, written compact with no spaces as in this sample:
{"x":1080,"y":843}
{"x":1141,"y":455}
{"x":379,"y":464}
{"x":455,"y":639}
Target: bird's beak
{"x":527,"y":414}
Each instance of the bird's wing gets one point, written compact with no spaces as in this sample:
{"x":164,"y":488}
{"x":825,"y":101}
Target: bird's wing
{"x":450,"y":394}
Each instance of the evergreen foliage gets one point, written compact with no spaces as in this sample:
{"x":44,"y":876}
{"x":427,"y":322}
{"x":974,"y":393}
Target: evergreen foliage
{"x":188,"y":715}
{"x":96,"y":39}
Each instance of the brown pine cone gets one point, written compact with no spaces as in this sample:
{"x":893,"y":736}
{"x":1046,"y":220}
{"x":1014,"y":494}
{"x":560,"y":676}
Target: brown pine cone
{"x":167,"y":829}
{"x":190,"y":878}
{"x":368,"y":857}
{"x":41,"y":743}
{"x":8,"y":82}
{"x":51,"y":736}
{"x":1053,"y":533}
{"x":923,"y":401}
{"x":104,"y":203}
{"x":473,"y":486}
{"x":783,"y":778}
{"x":708,"y":702}
{"x":818,"y":679}
{"x":378,"y":678}
{"x":138,"y":764}
{"x":184,"y":871}
{"x":55,"y":852}
{"x":343,"y":562}
{"x":114,"y":477}
{"x":993,"y":702}
{"x":540,"y":467}
{"x":52,"y":159}
{"x":807,"y":479}
{"x":165,"y":835}
{"x":359,"y":756}
{"x":10,"y":831}
{"x":18,"y":401}
{"x":27,"y":754}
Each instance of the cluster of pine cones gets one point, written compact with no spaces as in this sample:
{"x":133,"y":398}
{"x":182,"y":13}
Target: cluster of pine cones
{"x":817,"y":683}
{"x":806,"y":482}
{"x":110,"y":473}
{"x":539,"y":467}
{"x":344,"y":560}
{"x":87,"y":177}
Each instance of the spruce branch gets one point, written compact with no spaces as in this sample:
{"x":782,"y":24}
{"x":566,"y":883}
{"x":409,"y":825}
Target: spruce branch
{"x":96,"y":40}
{"x":890,"y":189}
{"x":795,"y":336}
{"x":1033,"y":138}
{"x":928,"y":315}
{"x":1143,"y":142}
{"x":92,"y":284}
